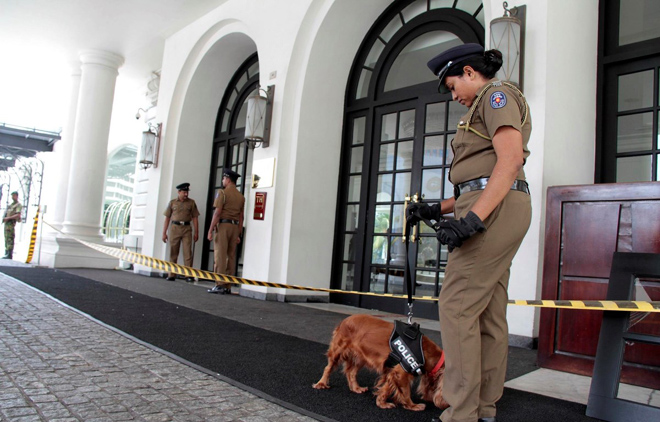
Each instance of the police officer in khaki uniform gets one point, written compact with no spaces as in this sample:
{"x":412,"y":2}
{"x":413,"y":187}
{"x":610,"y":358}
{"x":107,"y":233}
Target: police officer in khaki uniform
{"x":492,"y":212}
{"x":12,"y":216}
{"x":182,"y":213}
{"x":227,"y":223}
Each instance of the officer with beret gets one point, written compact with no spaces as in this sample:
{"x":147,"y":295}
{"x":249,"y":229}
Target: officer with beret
{"x":491,"y":214}
{"x":183,"y":215}
{"x":12,"y":216}
{"x":227,"y":223}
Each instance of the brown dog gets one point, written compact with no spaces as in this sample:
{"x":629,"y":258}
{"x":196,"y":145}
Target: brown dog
{"x":363,"y":341}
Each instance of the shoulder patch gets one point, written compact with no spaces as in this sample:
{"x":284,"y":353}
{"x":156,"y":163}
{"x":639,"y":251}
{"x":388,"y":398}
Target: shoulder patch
{"x":497,"y":99}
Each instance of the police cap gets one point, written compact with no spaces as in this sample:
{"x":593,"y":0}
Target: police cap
{"x":233,"y":176}
{"x":441,"y":63}
{"x":183,"y":186}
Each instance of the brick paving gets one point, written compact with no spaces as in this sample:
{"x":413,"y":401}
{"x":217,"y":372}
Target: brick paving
{"x":58,"y":365}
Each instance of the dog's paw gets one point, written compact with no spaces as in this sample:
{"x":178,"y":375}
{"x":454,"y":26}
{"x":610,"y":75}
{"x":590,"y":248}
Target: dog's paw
{"x":359,"y":390}
{"x":417,"y":407}
{"x":321,"y":386}
{"x":385,"y":404}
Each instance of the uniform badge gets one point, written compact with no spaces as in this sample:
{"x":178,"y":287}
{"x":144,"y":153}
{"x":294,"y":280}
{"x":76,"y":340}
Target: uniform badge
{"x":498,"y":99}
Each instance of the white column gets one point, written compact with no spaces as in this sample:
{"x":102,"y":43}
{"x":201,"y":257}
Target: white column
{"x":63,"y":149}
{"x":84,"y":203}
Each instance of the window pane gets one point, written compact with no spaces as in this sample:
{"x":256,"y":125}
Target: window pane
{"x":450,"y":155}
{"x":415,"y":9}
{"x":348,"y":276}
{"x":634,"y":132}
{"x":397,"y":219}
{"x":384,"y":188}
{"x":427,"y":253}
{"x":374,"y":53}
{"x":358,"y":130}
{"x":232,"y":98}
{"x":377,"y":282}
{"x":382,"y":219}
{"x":409,"y":68}
{"x":634,"y":169}
{"x":363,"y":84}
{"x":225,"y":120}
{"x":456,"y":111}
{"x":349,"y":250}
{"x":379,"y":250}
{"x":425,"y":283}
{"x":402,"y":186}
{"x":438,"y":4}
{"x":388,"y":129}
{"x":432,"y":184}
{"x":407,"y":124}
{"x":354,"y":188}
{"x":352,"y":217}
{"x":435,"y":117}
{"x":404,"y":156}
{"x":241,"y":81}
{"x":434,"y":150}
{"x":395,"y":282}
{"x":386,"y":159}
{"x":242,"y":115}
{"x":356,"y":159}
{"x":636,"y":90}
{"x":639,"y":20}
{"x":391,"y":28}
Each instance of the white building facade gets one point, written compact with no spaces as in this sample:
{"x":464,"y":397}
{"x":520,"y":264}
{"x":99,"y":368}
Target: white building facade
{"x":351,"y":134}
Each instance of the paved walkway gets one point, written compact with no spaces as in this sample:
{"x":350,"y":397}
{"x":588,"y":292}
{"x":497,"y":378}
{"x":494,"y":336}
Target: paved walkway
{"x":58,"y":365}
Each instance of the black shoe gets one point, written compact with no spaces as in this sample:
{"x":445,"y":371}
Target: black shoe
{"x":217,"y":290}
{"x":487,"y":419}
{"x":227,"y":291}
{"x":190,"y":279}
{"x":171,"y":278}
{"x":6,"y":256}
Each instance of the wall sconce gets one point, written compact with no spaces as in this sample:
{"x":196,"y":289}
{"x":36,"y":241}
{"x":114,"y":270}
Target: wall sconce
{"x":507,"y":34}
{"x":150,"y":146}
{"x":259,"y":114}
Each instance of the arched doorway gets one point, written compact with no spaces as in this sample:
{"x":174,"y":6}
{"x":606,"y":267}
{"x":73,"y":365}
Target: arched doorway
{"x":229,"y":150}
{"x":397,"y":130}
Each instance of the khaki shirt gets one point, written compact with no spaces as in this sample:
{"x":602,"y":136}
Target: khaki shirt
{"x":231,"y":201}
{"x":184,"y":210}
{"x":497,"y":105}
{"x":13,"y":208}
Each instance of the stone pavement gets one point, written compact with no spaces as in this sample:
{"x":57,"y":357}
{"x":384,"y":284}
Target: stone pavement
{"x":58,"y":365}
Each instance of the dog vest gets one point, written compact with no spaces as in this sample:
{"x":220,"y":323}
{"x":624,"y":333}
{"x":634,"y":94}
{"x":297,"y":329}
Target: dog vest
{"x":406,"y":348}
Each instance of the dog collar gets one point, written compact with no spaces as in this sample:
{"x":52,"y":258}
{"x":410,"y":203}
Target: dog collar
{"x":437,"y":366}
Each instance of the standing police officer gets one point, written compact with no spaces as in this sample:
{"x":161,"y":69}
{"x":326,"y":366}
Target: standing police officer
{"x":227,"y":223}
{"x":181,"y":212}
{"x":492,"y":211}
{"x":12,"y":215}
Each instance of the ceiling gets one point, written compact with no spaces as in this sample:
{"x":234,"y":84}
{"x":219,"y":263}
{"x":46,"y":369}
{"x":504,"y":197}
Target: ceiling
{"x":134,"y":29}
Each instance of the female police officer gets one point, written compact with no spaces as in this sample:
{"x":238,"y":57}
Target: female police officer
{"x":492,"y":211}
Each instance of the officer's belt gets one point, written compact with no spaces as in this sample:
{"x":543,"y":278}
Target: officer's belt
{"x":480,"y":184}
{"x":226,"y":220}
{"x":181,"y":223}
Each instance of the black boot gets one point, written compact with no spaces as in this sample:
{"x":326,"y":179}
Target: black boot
{"x":7,"y":254}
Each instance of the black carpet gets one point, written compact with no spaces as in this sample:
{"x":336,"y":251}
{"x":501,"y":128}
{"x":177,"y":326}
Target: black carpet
{"x":281,"y":366}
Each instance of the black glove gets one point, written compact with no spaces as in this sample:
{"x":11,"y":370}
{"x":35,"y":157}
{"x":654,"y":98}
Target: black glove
{"x":418,"y":211}
{"x":454,"y":232}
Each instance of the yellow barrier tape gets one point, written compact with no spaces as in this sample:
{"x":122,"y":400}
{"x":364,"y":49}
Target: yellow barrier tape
{"x":33,"y":237}
{"x":147,"y":261}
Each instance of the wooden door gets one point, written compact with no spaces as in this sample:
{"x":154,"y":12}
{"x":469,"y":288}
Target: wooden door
{"x":584,"y":226}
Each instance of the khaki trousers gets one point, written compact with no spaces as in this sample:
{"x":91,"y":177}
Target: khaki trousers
{"x":177,"y":236}
{"x":224,"y":254}
{"x":472,"y":308}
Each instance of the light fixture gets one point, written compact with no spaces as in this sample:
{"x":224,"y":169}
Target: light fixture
{"x":259,"y":114}
{"x":507,"y":34}
{"x":150,"y":145}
